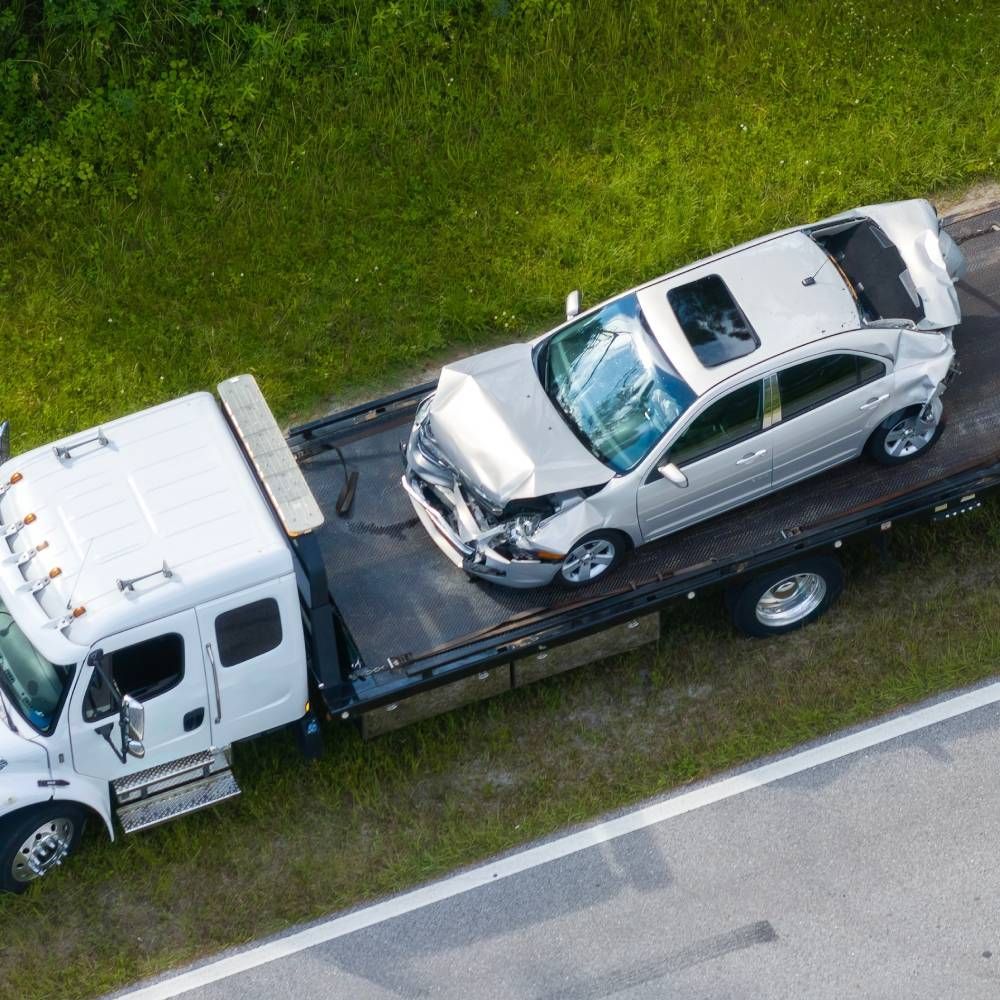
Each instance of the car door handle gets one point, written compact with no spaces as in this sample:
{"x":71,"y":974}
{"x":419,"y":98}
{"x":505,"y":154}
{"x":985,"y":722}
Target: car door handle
{"x":873,"y":402}
{"x":747,"y":459}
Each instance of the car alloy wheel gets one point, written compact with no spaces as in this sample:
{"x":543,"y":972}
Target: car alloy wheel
{"x":588,"y":560}
{"x":909,"y":436}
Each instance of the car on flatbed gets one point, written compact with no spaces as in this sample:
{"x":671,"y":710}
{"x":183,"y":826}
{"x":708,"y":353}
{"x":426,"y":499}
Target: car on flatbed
{"x":690,"y":395}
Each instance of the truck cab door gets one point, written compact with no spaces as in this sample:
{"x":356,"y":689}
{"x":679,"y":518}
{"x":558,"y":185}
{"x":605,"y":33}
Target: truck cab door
{"x":256,"y":659}
{"x":161,"y":665}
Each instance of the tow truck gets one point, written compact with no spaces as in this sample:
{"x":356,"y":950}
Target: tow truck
{"x":186,"y":578}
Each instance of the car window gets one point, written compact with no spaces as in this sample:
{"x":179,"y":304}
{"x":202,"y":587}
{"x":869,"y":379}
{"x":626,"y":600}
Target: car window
{"x":145,"y":670}
{"x":814,"y":382}
{"x":734,"y":417}
{"x":869,"y":369}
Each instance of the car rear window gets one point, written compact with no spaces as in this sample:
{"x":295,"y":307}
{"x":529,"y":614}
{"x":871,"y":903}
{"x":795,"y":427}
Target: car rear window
{"x":713,"y":323}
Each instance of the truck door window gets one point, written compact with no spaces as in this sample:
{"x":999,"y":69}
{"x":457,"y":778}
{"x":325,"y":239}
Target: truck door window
{"x":249,"y":631}
{"x":145,"y":670}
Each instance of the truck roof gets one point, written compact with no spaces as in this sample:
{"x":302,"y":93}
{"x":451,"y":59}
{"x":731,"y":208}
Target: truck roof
{"x":168,"y":486}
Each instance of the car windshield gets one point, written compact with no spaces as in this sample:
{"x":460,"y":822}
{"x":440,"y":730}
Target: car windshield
{"x":613,"y":384}
{"x":34,"y":686}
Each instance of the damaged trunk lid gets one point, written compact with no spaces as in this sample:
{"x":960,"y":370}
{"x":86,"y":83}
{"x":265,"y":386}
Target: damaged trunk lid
{"x":922,"y":290}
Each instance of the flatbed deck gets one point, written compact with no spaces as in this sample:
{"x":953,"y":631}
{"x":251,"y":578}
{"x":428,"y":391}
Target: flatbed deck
{"x":409,"y":609}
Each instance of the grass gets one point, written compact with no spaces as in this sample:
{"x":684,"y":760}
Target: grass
{"x":391,"y":203}
{"x":413,"y":180}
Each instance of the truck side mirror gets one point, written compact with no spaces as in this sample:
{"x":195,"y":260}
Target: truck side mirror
{"x":133,"y":715}
{"x":573,"y":304}
{"x":672,"y":474}
{"x":4,"y":441}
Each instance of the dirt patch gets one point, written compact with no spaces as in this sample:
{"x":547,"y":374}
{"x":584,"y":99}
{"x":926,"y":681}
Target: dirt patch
{"x":957,"y":205}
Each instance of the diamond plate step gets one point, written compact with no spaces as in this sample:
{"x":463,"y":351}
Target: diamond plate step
{"x":175,"y":772}
{"x":156,"y":809}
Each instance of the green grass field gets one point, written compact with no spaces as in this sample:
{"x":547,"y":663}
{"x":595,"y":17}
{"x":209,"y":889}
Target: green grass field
{"x":332,"y":195}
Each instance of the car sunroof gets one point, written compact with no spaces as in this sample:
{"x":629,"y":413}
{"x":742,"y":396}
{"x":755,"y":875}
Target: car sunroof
{"x":713,"y":323}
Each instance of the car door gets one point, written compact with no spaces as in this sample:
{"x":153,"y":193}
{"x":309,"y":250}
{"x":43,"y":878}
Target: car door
{"x":829,"y":407}
{"x":161,"y":665}
{"x":724,"y":452}
{"x":256,"y":660}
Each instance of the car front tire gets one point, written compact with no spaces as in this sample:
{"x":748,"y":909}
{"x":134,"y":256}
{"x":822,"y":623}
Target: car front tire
{"x":592,"y":558}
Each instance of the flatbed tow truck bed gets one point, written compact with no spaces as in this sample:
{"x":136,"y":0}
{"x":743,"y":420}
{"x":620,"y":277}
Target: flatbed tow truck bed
{"x":416,"y":621}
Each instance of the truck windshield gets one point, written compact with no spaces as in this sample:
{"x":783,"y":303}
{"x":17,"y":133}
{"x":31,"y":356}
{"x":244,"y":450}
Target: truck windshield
{"x":613,"y":384}
{"x":34,"y":686}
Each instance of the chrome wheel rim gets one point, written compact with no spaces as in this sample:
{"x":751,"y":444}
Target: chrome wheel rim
{"x":43,"y":850}
{"x":792,"y":599}
{"x":911,"y":435}
{"x":588,"y":560}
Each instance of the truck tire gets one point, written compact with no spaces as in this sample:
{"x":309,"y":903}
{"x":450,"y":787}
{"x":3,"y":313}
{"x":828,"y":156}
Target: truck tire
{"x":35,"y":841}
{"x":784,"y":599}
{"x":903,"y":436}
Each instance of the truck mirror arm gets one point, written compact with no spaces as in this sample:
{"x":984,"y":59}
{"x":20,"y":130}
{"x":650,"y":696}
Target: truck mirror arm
{"x":126,"y":712}
{"x":105,"y":731}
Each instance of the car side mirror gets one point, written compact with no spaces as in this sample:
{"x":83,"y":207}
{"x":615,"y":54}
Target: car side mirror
{"x":672,"y":474}
{"x":4,"y":441}
{"x":573,"y":304}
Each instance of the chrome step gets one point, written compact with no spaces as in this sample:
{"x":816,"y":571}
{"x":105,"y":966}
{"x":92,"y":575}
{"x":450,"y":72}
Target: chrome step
{"x":157,"y":779}
{"x":174,"y":802}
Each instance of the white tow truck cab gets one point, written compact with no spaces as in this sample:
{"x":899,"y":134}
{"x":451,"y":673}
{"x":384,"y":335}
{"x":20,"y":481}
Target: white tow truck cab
{"x":149,"y":618}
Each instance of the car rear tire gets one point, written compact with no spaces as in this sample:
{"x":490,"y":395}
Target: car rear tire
{"x":37,"y":840}
{"x":592,"y":557}
{"x":904,"y":436}
{"x":782,"y":600}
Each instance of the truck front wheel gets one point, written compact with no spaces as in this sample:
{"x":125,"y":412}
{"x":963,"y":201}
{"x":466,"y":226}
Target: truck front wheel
{"x":34,"y":842}
{"x":785,"y":599}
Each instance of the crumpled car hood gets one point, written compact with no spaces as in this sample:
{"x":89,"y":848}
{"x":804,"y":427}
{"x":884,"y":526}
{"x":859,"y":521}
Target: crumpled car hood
{"x":913,"y":227}
{"x":495,"y":424}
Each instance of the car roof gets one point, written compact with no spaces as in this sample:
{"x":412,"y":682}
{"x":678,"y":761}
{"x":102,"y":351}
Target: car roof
{"x":765,"y":279}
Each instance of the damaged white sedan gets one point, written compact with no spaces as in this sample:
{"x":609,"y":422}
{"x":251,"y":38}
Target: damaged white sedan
{"x":690,"y":395}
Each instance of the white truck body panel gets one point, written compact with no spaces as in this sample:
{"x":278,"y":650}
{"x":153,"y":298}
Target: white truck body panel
{"x":165,"y":495}
{"x":171,"y":486}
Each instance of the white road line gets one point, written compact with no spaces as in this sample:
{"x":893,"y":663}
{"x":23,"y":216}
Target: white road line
{"x":561,"y":847}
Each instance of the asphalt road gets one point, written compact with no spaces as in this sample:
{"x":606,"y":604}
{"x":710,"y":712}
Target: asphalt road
{"x":873,"y":875}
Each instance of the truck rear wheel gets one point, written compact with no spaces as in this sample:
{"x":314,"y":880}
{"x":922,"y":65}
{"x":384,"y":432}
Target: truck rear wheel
{"x":34,"y":842}
{"x":782,"y":600}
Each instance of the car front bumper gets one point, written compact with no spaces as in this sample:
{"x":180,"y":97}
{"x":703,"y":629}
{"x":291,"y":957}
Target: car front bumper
{"x":479,"y":560}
